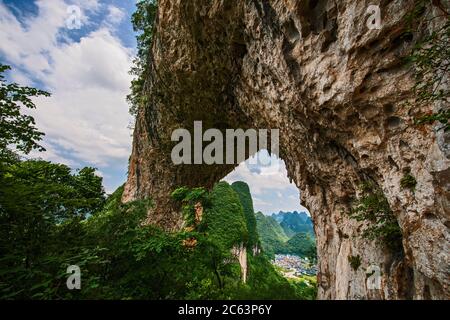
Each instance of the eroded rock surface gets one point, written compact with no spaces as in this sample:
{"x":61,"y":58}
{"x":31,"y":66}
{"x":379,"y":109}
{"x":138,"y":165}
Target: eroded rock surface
{"x":337,"y":91}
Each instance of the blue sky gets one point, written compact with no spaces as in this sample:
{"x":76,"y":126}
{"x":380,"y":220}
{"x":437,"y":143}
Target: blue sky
{"x":85,"y":66}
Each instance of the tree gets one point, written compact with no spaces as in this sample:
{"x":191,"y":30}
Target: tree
{"x":41,"y":208}
{"x":143,"y":20}
{"x":431,"y":65}
{"x":17,"y":129}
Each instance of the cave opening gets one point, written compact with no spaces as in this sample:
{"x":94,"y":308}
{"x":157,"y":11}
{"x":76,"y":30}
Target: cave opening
{"x":285,"y":228}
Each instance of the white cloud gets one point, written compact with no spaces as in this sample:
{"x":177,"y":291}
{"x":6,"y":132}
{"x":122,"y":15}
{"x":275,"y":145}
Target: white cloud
{"x":269,"y":185}
{"x":258,"y":202}
{"x":115,"y":15}
{"x":50,"y":155}
{"x":19,"y":77}
{"x":87,"y":112}
{"x":25,"y":45}
{"x":91,"y":5}
{"x":29,"y":45}
{"x":273,"y":176}
{"x":86,"y":118}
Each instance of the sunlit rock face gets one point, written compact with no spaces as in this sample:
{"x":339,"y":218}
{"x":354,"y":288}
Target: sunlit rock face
{"x":337,"y":91}
{"x":240,"y":253}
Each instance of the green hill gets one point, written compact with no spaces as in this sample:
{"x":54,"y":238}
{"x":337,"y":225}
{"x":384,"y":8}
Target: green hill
{"x":225,"y":218}
{"x":243,"y":191}
{"x":286,"y":233}
{"x":272,"y":236}
{"x":302,"y":244}
{"x":294,"y":222}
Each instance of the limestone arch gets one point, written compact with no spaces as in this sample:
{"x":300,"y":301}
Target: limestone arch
{"x":335,"y":90}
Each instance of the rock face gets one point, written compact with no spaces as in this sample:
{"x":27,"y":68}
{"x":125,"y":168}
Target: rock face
{"x":336,"y":90}
{"x":240,"y":253}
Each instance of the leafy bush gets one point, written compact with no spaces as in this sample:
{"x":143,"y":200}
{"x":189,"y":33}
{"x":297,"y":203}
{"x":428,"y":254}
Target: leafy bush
{"x":189,"y":199}
{"x":431,"y":62}
{"x":143,"y":20}
{"x":355,"y":262}
{"x":408,"y":182}
{"x":42,"y":206}
{"x":305,"y":286}
{"x":374,"y":208}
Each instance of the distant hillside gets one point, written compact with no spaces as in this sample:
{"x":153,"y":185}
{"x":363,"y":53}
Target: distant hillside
{"x":286,"y":233}
{"x":302,"y":244}
{"x":294,"y":222}
{"x":271,"y":234}
{"x":281,"y":233}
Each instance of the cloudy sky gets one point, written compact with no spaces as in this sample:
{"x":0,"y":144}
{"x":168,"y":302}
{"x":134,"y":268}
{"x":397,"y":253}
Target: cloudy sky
{"x":81,"y":52}
{"x":269,"y":184}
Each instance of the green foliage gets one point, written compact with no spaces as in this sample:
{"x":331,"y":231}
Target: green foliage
{"x":408,"y":182}
{"x":302,"y":245}
{"x":42,"y":206}
{"x":189,"y":198}
{"x":306,"y":286}
{"x":355,"y":262}
{"x":431,"y":61}
{"x":150,"y":263}
{"x":441,"y":116}
{"x":275,"y":241}
{"x":41,"y":188}
{"x":272,"y":236}
{"x":143,"y":20}
{"x":243,"y":191}
{"x":225,"y":219}
{"x":144,"y":261}
{"x":374,"y":208}
{"x":44,"y":230}
{"x":267,"y":283}
{"x":17,"y":129}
